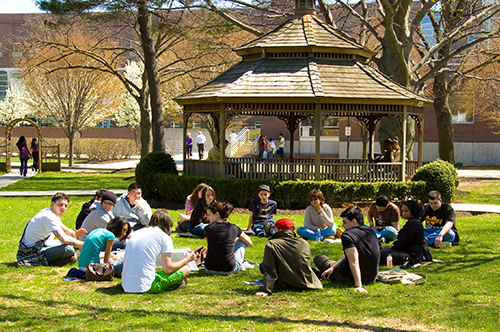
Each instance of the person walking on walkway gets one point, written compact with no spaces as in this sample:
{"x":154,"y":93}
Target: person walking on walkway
{"x":201,"y":140}
{"x":24,"y":155}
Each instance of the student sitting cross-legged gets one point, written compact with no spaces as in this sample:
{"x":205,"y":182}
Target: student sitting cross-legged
{"x":226,"y":242}
{"x":145,"y":245}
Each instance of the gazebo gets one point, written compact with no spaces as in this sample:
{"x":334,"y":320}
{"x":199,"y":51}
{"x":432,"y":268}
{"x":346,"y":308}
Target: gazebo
{"x":305,"y":69}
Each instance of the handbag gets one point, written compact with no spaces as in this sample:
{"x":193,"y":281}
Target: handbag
{"x":100,"y":272}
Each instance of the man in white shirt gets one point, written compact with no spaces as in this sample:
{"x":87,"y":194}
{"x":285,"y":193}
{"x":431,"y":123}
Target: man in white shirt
{"x":38,"y":245}
{"x":202,"y":143}
{"x":232,"y":137}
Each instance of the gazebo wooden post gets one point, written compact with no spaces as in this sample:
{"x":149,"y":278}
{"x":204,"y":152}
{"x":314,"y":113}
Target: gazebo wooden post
{"x":420,"y":124}
{"x":222,"y":138}
{"x":184,"y":135}
{"x":291,"y":129}
{"x":317,"y":157}
{"x":371,"y":130}
{"x":403,"y":145}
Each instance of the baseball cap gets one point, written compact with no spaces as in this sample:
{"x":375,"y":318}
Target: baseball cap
{"x":109,"y":196}
{"x":264,"y":187}
{"x":285,"y":224}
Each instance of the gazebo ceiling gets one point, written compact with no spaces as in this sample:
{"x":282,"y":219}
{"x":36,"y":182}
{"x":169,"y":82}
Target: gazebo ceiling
{"x":302,"y":61}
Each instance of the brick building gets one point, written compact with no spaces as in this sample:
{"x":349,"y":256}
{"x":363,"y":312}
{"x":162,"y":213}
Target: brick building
{"x":474,"y":141}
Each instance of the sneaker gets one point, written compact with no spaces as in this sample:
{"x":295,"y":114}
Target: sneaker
{"x":64,"y":261}
{"x":328,"y":240}
{"x":382,"y":240}
{"x":445,"y":245}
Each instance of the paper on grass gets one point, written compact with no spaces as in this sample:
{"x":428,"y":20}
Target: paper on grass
{"x":177,"y":255}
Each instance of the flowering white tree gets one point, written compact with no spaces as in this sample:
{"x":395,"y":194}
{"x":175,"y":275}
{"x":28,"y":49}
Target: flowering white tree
{"x":128,"y":113}
{"x":16,"y":104}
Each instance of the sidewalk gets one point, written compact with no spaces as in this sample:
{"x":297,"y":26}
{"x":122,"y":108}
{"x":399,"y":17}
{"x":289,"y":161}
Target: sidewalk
{"x":7,"y":179}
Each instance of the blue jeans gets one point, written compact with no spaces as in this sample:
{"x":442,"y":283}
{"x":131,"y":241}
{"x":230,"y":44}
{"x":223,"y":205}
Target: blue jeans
{"x":239,"y":256}
{"x":58,"y":251}
{"x":430,"y":233}
{"x":311,"y":235}
{"x":259,"y":229}
{"x":24,"y":167}
{"x":281,"y":152}
{"x":389,"y":233}
{"x":198,"y":230}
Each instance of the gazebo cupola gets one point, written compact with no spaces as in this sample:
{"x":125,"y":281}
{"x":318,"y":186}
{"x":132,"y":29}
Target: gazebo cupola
{"x":303,"y":69}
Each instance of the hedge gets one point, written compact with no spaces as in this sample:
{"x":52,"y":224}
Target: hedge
{"x":288,"y":194}
{"x":96,"y":149}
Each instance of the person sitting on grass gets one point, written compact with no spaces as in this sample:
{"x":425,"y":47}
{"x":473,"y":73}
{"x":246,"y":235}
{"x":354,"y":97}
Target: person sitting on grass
{"x":102,"y":240}
{"x":193,"y":198}
{"x":440,"y":230}
{"x":38,"y":245}
{"x":139,"y":273}
{"x":133,"y":207}
{"x":359,"y":264}
{"x":386,"y":216}
{"x":287,"y":261}
{"x":197,"y":221}
{"x":408,"y":249}
{"x":100,"y":215}
{"x":318,"y":219}
{"x":226,"y":242}
{"x":87,"y":207}
{"x":261,"y":213}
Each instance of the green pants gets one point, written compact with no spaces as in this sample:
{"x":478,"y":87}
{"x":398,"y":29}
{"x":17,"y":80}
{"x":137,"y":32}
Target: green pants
{"x":163,"y":281}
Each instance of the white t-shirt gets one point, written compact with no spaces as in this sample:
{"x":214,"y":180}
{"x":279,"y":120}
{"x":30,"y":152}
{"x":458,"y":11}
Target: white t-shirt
{"x":200,"y":139}
{"x":139,"y":264}
{"x":41,"y":226}
{"x":232,"y":137}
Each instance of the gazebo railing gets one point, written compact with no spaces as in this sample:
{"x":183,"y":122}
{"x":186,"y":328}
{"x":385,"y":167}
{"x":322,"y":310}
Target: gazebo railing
{"x":343,"y":170}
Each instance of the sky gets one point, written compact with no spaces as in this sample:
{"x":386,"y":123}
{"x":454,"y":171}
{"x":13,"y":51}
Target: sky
{"x":18,"y":6}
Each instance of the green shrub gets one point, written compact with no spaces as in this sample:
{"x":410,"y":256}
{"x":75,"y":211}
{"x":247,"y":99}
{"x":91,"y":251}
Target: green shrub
{"x":152,"y":164}
{"x":438,"y":175}
{"x":288,"y":194}
{"x":96,"y":149}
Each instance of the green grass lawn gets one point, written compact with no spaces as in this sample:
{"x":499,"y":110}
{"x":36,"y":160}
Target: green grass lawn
{"x":462,"y":294}
{"x":71,"y":181}
{"x":484,"y":193}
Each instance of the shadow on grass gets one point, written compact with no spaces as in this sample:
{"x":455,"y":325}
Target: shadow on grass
{"x":156,"y":317}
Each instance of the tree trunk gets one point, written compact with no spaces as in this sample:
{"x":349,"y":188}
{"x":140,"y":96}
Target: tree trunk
{"x":151,"y":67}
{"x":71,"y":137}
{"x":443,"y":119}
{"x":145,"y":125}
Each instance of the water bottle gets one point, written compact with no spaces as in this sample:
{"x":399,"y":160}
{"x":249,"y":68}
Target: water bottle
{"x":389,"y":261}
{"x":318,"y":236}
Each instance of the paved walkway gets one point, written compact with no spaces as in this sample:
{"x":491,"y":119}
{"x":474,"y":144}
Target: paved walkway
{"x":14,"y":176}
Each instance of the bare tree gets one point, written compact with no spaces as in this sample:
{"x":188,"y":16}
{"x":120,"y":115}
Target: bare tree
{"x":75,"y":99}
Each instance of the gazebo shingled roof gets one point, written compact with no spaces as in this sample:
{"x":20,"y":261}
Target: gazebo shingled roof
{"x":300,"y":69}
{"x":279,"y":65}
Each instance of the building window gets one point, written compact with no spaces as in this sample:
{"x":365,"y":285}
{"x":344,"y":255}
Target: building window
{"x":175,"y":125}
{"x":462,"y":107}
{"x":330,"y":127}
{"x":257,"y":124}
{"x":16,"y":50}
{"x":4,"y":84}
{"x":196,"y":124}
{"x":106,"y":123}
{"x":1,"y":49}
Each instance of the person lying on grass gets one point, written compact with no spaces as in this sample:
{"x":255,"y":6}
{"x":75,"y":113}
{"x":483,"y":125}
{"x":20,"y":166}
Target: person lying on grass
{"x":226,"y":242}
{"x":38,"y":245}
{"x":102,"y":240}
{"x":144,"y":246}
{"x":287,"y":261}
